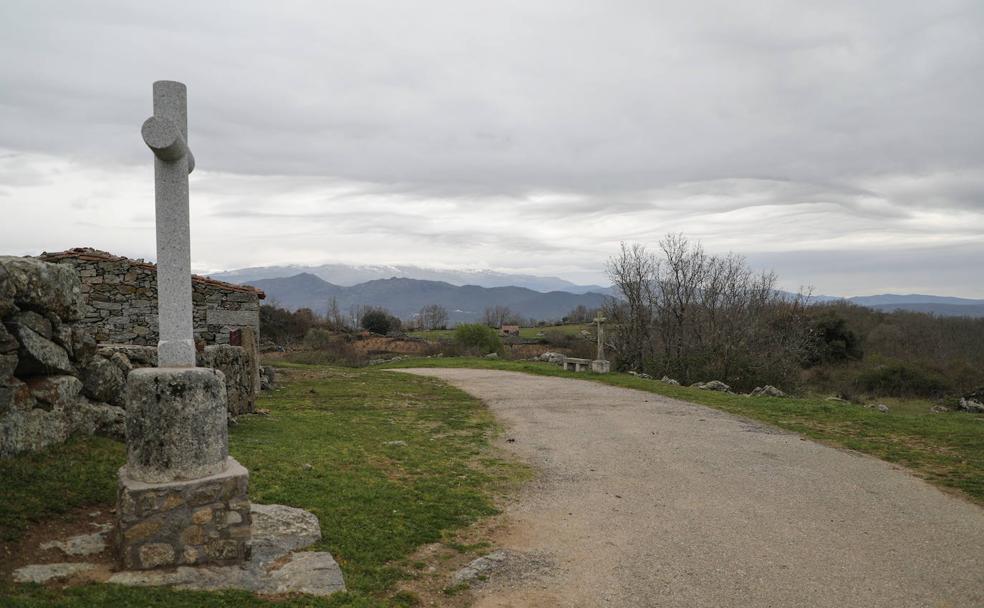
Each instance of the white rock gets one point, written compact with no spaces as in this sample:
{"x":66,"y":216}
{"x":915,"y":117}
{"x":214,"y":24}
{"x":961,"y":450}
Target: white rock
{"x":42,"y":573}
{"x":83,"y":544}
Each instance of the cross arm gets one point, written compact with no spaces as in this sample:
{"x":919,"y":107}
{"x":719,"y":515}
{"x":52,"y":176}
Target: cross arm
{"x":164,"y":139}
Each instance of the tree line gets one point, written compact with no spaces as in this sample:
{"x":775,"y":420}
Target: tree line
{"x":694,"y":316}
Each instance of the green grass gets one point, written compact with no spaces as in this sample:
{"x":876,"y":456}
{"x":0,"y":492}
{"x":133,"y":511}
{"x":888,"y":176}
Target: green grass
{"x":75,"y":474}
{"x":945,"y":449}
{"x":323,"y":448}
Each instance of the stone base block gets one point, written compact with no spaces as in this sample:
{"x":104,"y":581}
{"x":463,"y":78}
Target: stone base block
{"x":179,"y":523}
{"x":175,"y":424}
{"x":600,"y":366}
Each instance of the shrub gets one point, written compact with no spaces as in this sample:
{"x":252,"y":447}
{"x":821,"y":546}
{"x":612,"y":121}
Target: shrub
{"x":477,"y":336}
{"x":833,"y":341}
{"x":324,"y":347}
{"x":901,"y":380}
{"x":377,"y":321}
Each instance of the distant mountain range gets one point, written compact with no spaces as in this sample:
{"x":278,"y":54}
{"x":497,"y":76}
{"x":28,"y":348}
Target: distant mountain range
{"x":943,"y":306}
{"x":349,"y":275}
{"x":405,"y":297}
{"x":404,"y":290}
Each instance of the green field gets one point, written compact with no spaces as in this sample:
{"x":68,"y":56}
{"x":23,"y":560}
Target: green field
{"x":323,"y":448}
{"x":946,"y":449}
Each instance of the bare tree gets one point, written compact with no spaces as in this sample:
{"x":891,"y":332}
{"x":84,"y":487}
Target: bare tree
{"x":633,"y":272}
{"x":695,"y":316}
{"x":433,"y":316}
{"x":336,"y":320}
{"x":498,"y":315}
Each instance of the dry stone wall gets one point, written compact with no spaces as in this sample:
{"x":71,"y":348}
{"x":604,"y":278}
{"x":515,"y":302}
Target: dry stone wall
{"x":52,"y":382}
{"x":235,"y":363}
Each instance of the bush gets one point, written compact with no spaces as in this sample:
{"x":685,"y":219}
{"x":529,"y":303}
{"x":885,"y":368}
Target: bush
{"x":325,"y":347}
{"x":319,"y":339}
{"x":377,"y":321}
{"x":833,"y":341}
{"x":284,"y":327}
{"x":477,"y":336}
{"x":901,"y":380}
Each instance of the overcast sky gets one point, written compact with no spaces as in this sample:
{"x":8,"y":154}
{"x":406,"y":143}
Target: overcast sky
{"x":840,"y":143}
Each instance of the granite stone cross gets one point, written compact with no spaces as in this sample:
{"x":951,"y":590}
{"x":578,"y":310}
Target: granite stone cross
{"x":166,"y":134}
{"x":601,"y":336}
{"x":177,"y":437}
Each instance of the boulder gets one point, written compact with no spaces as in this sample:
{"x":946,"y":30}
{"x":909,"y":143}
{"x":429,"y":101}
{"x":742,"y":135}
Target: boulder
{"x":8,"y":343}
{"x":37,"y":354}
{"x":279,"y":529}
{"x":55,"y":391}
{"x":103,"y":380}
{"x":552,"y":357}
{"x":61,"y":333}
{"x":121,"y":361}
{"x":15,"y":395}
{"x":713,"y":385}
{"x":767,"y":391}
{"x":8,"y":363}
{"x":668,"y":380}
{"x":83,"y":346}
{"x":138,"y":356}
{"x":30,"y":284}
{"x":236,"y":366}
{"x":94,"y":418}
{"x":480,"y":568}
{"x":969,"y":404}
{"x":492,"y":356}
{"x":34,"y":321}
{"x":32,"y":430}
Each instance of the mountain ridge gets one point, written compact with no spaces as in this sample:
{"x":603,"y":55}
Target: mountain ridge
{"x":405,"y":297}
{"x":347,"y":275}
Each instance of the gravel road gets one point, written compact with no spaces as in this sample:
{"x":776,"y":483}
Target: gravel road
{"x":646,"y":501}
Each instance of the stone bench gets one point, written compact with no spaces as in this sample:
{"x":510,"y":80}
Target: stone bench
{"x":598,"y":366}
{"x":574,"y":364}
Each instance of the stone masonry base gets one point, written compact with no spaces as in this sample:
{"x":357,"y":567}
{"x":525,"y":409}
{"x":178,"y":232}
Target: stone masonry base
{"x":183,"y":523}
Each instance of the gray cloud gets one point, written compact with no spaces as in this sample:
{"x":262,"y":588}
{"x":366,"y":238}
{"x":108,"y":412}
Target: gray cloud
{"x":516,"y":135}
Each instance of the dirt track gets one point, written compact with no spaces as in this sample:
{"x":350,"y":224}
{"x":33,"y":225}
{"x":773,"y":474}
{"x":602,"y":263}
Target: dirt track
{"x":646,"y":501}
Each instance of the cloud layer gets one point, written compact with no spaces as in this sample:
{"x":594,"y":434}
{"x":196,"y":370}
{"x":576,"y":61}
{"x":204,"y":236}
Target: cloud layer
{"x":841,"y":143}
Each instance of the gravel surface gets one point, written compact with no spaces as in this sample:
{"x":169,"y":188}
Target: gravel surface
{"x":647,"y":501}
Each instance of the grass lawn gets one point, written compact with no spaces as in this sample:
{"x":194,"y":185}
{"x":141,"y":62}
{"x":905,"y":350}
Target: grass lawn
{"x":945,"y":449}
{"x":327,"y":447}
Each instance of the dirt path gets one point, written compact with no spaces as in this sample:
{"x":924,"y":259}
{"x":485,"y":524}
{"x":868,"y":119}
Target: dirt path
{"x":646,"y":501}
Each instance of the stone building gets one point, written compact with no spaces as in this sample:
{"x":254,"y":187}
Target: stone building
{"x":120,"y":300}
{"x":119,"y":307}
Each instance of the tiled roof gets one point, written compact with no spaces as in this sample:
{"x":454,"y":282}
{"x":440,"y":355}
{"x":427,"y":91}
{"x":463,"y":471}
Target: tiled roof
{"x":89,"y":254}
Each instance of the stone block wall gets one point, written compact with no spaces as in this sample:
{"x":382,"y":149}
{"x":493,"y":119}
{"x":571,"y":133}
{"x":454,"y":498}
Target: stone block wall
{"x":52,"y":381}
{"x":184,"y":523}
{"x":119,"y":300}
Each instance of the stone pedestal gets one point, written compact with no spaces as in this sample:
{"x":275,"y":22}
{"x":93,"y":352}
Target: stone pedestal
{"x":175,"y":423}
{"x":183,"y":523}
{"x":600,"y":366}
{"x":182,"y":500}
